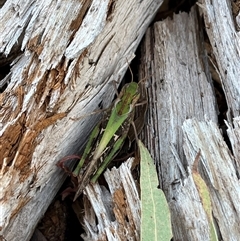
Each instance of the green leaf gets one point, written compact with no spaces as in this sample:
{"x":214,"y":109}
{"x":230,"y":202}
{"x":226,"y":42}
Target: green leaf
{"x":155,"y":214}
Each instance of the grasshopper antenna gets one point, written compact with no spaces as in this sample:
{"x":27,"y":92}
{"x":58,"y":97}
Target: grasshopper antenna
{"x":135,"y":132}
{"x":116,"y":82}
{"x":130,"y":70}
{"x":90,"y":114}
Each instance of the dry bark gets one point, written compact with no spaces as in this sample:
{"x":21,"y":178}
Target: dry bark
{"x":183,"y":117}
{"x":70,"y":53}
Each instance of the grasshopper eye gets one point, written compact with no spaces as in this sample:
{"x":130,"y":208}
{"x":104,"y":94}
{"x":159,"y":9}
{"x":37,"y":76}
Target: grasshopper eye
{"x":116,"y":102}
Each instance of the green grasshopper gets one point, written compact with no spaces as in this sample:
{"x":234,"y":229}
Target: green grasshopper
{"x":107,"y":138}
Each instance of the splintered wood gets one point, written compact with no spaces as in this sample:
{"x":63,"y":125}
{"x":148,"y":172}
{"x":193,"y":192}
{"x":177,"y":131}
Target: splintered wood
{"x":114,"y":214}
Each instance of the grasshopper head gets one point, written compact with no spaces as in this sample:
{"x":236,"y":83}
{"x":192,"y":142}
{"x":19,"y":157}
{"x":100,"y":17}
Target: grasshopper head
{"x":128,"y":97}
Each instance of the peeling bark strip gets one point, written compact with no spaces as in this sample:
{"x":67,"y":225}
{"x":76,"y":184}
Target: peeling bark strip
{"x":183,"y":116}
{"x":71,"y":51}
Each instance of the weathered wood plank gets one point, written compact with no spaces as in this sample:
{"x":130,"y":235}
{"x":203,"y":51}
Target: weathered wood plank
{"x":180,"y":89}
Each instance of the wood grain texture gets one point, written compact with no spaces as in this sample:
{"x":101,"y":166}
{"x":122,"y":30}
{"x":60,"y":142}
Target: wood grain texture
{"x":225,"y":42}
